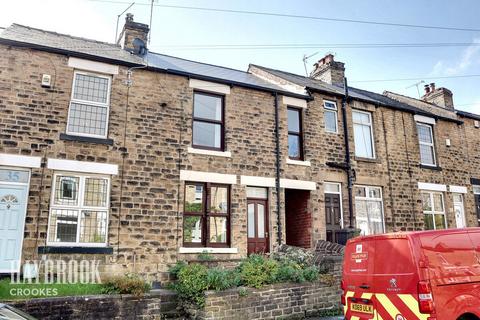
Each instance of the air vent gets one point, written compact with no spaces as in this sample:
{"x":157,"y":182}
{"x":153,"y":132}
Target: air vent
{"x":476,"y":123}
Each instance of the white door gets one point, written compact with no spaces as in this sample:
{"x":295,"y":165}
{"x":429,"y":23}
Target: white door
{"x":13,"y":207}
{"x":459,"y":210}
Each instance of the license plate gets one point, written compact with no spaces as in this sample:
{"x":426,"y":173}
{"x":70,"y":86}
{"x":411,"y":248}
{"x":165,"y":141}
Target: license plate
{"x":364,"y":308}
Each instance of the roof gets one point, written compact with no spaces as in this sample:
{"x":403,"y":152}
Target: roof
{"x":19,"y":35}
{"x":468,"y":115}
{"x":408,"y":105}
{"x":355,"y":93}
{"x":423,"y":105}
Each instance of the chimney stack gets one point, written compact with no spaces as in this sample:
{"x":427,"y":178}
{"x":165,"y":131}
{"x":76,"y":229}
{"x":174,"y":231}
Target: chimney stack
{"x":441,"y":97}
{"x":330,"y":71}
{"x":134,"y":35}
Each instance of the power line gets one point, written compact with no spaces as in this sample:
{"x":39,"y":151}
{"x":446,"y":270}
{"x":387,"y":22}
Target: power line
{"x":284,"y":15}
{"x":422,"y":78}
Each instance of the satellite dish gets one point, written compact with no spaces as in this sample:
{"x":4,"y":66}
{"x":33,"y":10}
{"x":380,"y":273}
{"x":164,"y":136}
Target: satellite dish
{"x":139,"y":46}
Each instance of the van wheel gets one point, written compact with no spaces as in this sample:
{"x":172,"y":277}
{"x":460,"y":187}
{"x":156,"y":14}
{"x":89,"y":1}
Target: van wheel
{"x":468,"y":316}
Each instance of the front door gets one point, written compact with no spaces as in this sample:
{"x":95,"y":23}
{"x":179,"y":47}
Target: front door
{"x":332,"y":216}
{"x":459,"y":210}
{"x":13,"y":207}
{"x":257,"y":226}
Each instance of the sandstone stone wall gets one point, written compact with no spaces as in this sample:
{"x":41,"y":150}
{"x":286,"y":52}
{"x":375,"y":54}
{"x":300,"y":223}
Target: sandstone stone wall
{"x":160,"y":305}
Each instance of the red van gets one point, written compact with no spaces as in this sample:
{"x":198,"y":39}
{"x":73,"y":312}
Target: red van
{"x":426,"y":275}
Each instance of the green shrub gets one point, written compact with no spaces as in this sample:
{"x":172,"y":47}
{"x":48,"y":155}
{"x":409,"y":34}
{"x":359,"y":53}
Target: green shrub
{"x":205,"y":256}
{"x":128,"y":284}
{"x":220,"y":279}
{"x":311,"y":273}
{"x":175,"y":269}
{"x":256,"y":271}
{"x":192,"y":283}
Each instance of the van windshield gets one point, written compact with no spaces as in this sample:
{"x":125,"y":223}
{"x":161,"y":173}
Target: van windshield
{"x":394,"y":256}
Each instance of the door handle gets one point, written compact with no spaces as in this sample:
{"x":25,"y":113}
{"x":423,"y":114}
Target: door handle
{"x":364,"y":286}
{"x":266,"y":234}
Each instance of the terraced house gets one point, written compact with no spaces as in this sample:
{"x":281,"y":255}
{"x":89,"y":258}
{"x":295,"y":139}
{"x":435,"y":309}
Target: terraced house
{"x":139,"y":159}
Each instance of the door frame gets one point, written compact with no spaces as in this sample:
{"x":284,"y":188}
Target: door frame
{"x":25,"y":211}
{"x":462,"y":203}
{"x":339,"y":184}
{"x":267,"y":219}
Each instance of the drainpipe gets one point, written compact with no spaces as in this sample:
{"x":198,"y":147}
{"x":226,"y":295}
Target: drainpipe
{"x":277,"y":176}
{"x":347,"y":155}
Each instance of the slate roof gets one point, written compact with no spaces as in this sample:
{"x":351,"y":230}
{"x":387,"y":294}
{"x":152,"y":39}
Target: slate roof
{"x":388,"y":100}
{"x":20,"y":35}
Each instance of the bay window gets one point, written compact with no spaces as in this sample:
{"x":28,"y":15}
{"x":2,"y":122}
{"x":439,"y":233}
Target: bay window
{"x":206,"y":217}
{"x":79,"y":210}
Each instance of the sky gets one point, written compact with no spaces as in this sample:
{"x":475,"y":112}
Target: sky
{"x":175,"y":28}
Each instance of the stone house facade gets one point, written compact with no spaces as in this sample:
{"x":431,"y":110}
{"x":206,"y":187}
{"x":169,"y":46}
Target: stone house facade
{"x":139,"y":159}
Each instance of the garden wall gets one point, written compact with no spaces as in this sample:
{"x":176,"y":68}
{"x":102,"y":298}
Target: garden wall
{"x":285,"y":301}
{"x":159,"y":304}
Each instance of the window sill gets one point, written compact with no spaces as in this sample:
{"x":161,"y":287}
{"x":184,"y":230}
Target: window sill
{"x":299,"y":162}
{"x":372,"y":160}
{"x":225,"y":154}
{"x":82,"y":250}
{"x":69,"y":137}
{"x":207,"y":249}
{"x":426,"y":166}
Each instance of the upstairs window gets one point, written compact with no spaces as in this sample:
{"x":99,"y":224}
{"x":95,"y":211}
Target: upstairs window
{"x":208,"y":121}
{"x":295,"y":134}
{"x":427,"y":145}
{"x":331,"y":116}
{"x":206,"y":217}
{"x":363,"y":134}
{"x":89,"y":105}
{"x":79,"y":210}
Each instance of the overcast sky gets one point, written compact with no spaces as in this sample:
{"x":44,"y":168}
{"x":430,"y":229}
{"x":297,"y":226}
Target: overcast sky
{"x":180,"y":27}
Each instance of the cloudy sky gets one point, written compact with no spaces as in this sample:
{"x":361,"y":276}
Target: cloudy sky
{"x":175,"y":28}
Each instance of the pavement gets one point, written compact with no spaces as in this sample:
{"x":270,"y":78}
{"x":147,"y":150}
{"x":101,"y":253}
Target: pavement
{"x":327,"y":318}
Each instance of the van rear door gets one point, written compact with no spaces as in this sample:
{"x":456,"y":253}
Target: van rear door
{"x":358,"y":268}
{"x":396,"y":278}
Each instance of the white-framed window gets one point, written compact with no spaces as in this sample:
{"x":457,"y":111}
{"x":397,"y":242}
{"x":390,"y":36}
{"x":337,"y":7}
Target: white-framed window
{"x":363,"y":134}
{"x":331,"y":116}
{"x":79,"y":210}
{"x":427,"y":144}
{"x":89,"y":105}
{"x":369,"y":210}
{"x":433,"y":210}
{"x":476,"y":189}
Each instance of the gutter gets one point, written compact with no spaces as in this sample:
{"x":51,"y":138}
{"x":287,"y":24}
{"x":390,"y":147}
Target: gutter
{"x":277,"y":165}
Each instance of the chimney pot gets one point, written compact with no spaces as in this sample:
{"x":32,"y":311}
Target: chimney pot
{"x":432,"y":86}
{"x":427,"y":89}
{"x":330,"y":71}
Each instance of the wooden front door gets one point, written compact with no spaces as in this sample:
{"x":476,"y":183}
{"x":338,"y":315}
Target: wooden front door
{"x":257,"y":224}
{"x":332,"y":215}
{"x":477,"y":205}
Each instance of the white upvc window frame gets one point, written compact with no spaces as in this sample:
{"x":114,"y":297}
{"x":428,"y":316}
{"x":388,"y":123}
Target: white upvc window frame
{"x":333,"y":110}
{"x":476,"y":189}
{"x":370,"y":124}
{"x":434,"y":212}
{"x":79,"y":207}
{"x":368,"y":198}
{"x":432,"y":144}
{"x":86,"y":102}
